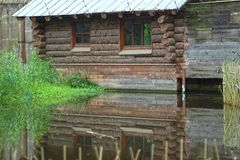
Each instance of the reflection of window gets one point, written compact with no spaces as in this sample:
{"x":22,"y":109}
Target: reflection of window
{"x":81,"y":33}
{"x":137,"y":33}
{"x":81,"y":138}
{"x":137,"y":139}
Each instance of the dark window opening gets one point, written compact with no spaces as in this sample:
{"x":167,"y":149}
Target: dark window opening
{"x":137,"y":33}
{"x":81,"y":34}
{"x":136,"y":140}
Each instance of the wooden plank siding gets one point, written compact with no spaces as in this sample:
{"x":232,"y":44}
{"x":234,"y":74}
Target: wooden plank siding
{"x":158,"y":71}
{"x":213,"y":31}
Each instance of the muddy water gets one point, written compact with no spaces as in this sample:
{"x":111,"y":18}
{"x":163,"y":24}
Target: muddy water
{"x":139,"y":120}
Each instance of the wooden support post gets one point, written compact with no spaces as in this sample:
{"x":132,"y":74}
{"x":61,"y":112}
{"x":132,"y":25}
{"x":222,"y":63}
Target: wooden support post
{"x":22,"y":40}
{"x":64,"y":152}
{"x":42,"y":153}
{"x":183,"y":80}
{"x":216,"y":149}
{"x":134,"y":157}
{"x":181,"y":149}
{"x":152,"y":152}
{"x":79,"y":153}
{"x":117,"y":157}
{"x":99,"y":153}
{"x":166,"y":151}
{"x":205,"y":149}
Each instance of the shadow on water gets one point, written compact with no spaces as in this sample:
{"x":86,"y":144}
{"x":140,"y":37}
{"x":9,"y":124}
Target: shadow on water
{"x":138,"y":120}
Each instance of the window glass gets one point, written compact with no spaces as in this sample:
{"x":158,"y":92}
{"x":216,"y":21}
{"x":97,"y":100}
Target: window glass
{"x":137,"y":33}
{"x":82,"y":32}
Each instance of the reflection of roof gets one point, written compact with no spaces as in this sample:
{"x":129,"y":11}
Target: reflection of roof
{"x":74,"y":7}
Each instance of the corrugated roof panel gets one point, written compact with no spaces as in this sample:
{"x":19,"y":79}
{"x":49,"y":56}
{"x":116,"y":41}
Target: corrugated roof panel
{"x":71,"y":7}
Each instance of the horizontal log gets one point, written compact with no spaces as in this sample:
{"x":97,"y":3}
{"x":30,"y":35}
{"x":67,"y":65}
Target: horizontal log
{"x":156,"y":38}
{"x":58,"y":34}
{"x":39,"y":44}
{"x":64,"y":40}
{"x":104,"y":47}
{"x":155,"y":24}
{"x":104,"y":53}
{"x":179,"y":29}
{"x":158,"y":46}
{"x":179,"y":37}
{"x":167,"y":27}
{"x":171,"y":49}
{"x":179,"y":60}
{"x":179,"y":22}
{"x":58,"y":47}
{"x":36,"y":25}
{"x":58,"y":53}
{"x":170,"y":57}
{"x":39,"y":38}
{"x":168,"y":42}
{"x":62,"y":60}
{"x":105,"y":32}
{"x":105,"y":40}
{"x":41,"y":51}
{"x":157,"y":31}
{"x":180,"y":45}
{"x":102,"y":25}
{"x":179,"y":52}
{"x":38,"y":32}
{"x":159,"y":52}
{"x":169,"y":34}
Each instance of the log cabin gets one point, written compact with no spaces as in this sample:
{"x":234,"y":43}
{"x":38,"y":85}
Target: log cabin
{"x":144,"y":45}
{"x":123,"y":44}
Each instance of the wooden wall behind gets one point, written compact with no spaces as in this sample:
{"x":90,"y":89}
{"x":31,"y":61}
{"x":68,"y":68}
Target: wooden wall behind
{"x":213,"y":36}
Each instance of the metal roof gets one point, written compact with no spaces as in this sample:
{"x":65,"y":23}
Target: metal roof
{"x":75,"y":7}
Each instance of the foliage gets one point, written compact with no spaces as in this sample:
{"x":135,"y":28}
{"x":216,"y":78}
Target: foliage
{"x":231,"y":83}
{"x":77,"y":80}
{"x":27,"y":95}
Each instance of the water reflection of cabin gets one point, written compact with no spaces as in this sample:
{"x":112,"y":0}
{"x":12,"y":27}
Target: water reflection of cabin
{"x":136,"y":120}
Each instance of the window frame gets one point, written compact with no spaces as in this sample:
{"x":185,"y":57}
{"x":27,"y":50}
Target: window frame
{"x":122,"y":34}
{"x":74,"y":35}
{"x":132,"y":132}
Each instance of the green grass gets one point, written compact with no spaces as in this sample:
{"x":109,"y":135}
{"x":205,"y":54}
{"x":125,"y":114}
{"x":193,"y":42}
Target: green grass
{"x":50,"y":94}
{"x":28,"y":94}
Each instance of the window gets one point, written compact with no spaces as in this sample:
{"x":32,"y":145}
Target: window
{"x":137,"y":33}
{"x":81,"y":33}
{"x":81,"y":138}
{"x":137,"y":139}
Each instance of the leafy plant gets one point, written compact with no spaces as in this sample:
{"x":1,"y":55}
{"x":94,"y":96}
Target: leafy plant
{"x":77,"y":80}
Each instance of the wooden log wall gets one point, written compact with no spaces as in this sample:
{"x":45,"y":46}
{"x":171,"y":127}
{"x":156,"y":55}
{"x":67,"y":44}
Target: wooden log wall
{"x":104,"y":115}
{"x":213,"y":31}
{"x":168,"y":44}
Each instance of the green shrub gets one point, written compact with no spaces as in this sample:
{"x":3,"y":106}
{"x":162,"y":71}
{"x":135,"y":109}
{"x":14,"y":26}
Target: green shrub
{"x":77,"y":80}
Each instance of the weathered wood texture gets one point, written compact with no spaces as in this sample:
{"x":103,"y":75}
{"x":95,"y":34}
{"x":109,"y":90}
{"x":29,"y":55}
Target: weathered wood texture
{"x":54,"y":38}
{"x":107,"y":113}
{"x":213,"y":36}
{"x":9,"y":27}
{"x":148,"y":77}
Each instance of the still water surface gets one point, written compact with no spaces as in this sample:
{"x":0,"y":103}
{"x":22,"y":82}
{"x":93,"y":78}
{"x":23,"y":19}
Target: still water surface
{"x":139,"y":120}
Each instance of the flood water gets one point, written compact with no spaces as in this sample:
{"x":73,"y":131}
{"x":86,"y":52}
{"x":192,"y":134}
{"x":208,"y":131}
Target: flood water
{"x":138,"y":120}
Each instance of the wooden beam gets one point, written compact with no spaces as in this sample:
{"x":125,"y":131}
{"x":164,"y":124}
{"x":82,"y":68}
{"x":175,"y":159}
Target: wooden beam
{"x":152,"y":13}
{"x":88,"y":15}
{"x":60,"y":17}
{"x":120,"y":15}
{"x":75,"y":16}
{"x":138,"y":13}
{"x":47,"y":18}
{"x":33,"y":19}
{"x":104,"y":15}
{"x":22,"y":40}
